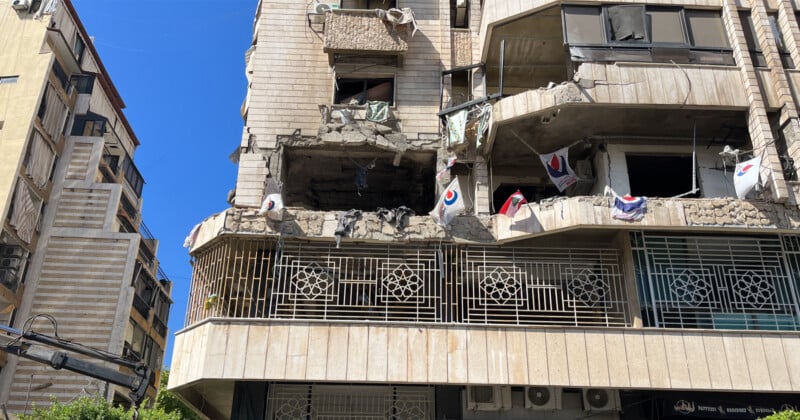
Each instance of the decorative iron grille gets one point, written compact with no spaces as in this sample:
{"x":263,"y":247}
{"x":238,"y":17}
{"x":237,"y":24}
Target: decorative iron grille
{"x":331,"y":402}
{"x":717,"y":282}
{"x":244,"y":278}
{"x":540,"y":287}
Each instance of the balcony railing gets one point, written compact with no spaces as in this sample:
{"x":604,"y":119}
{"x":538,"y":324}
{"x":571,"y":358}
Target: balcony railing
{"x":141,"y":306}
{"x":348,"y":31}
{"x":430,"y":284}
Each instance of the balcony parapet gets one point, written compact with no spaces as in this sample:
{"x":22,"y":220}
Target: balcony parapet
{"x":722,"y":214}
{"x":576,"y":357}
{"x":364,"y":31}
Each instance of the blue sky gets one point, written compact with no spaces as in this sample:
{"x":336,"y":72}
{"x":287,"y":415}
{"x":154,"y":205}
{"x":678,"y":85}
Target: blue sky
{"x":179,"y":66}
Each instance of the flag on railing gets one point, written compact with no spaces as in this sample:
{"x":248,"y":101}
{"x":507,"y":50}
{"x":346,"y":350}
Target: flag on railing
{"x":513,"y":204}
{"x":558,"y":168}
{"x":629,"y":208}
{"x":450,"y":204}
{"x":745,"y":177}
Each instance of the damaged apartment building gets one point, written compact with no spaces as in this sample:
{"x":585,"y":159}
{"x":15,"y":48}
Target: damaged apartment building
{"x":369,"y":265}
{"x":76,"y":260}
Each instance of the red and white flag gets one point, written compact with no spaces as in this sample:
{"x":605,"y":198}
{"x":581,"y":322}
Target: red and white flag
{"x":558,"y":168}
{"x":450,"y":204}
{"x":513,"y":204}
{"x":745,"y":177}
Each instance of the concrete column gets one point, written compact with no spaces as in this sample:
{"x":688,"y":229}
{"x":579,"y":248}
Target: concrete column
{"x":482,"y":194}
{"x":757,"y":122}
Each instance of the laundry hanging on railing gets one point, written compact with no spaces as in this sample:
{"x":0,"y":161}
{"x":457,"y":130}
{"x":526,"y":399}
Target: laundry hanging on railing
{"x":484,"y":121}
{"x":347,"y":221}
{"x":397,"y":216}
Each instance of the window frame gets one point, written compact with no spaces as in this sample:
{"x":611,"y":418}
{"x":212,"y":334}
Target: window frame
{"x":365,"y":78}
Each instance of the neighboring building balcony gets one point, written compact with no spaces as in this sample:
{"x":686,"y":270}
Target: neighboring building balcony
{"x":364,"y":32}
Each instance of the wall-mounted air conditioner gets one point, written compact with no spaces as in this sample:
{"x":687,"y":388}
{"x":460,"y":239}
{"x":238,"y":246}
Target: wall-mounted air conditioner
{"x":20,"y":5}
{"x":596,"y":399}
{"x":542,"y":398}
{"x":488,"y":398}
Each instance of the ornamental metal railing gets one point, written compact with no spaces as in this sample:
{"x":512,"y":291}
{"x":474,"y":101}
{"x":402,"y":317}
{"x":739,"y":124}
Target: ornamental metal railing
{"x":247,"y":278}
{"x":718,"y":282}
{"x":329,"y":402}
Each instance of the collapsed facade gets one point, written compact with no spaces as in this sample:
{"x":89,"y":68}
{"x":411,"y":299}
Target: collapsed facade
{"x":342,"y":305}
{"x":73,"y":245}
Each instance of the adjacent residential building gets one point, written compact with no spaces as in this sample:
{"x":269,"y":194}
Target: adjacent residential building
{"x":73,"y":245}
{"x":333,"y":301}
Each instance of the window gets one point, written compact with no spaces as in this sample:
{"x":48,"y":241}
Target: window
{"x":666,"y":26}
{"x":363,"y":90}
{"x":369,"y":4}
{"x":627,"y":23}
{"x":646,"y":175}
{"x":78,"y":47}
{"x":459,"y":13}
{"x":584,"y":25}
{"x":133,"y":176}
{"x":61,"y":75}
{"x":84,"y":83}
{"x":90,"y":125}
{"x":706,"y":29}
{"x":7,"y":80}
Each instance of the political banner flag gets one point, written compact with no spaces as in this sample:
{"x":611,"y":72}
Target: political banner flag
{"x":273,"y":203}
{"x":450,"y":204}
{"x":745,"y":177}
{"x":629,"y":208}
{"x":558,"y":168}
{"x":513,"y":204}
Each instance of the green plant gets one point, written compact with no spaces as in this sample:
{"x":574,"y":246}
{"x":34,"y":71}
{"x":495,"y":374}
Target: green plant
{"x":167,"y":401}
{"x":86,"y":408}
{"x":784,"y":415}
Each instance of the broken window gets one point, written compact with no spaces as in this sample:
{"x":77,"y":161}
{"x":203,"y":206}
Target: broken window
{"x":584,"y":25}
{"x":706,"y":28}
{"x":83,"y":83}
{"x":369,"y":4}
{"x":660,"y":175}
{"x":349,"y":90}
{"x":627,"y":23}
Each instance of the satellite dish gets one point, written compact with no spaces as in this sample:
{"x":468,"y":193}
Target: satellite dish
{"x":597,"y":398}
{"x":322,"y":8}
{"x":538,"y":396}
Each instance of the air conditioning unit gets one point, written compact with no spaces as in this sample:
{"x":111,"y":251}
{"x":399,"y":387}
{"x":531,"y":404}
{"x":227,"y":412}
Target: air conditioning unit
{"x":488,"y":398}
{"x":20,"y":5}
{"x":596,"y":399}
{"x":542,"y":398}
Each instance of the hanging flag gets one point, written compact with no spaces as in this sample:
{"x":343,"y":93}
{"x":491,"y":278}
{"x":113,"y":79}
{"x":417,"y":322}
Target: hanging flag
{"x":456,"y":128}
{"x":745,"y":177}
{"x":450,"y":163}
{"x":629,"y":208}
{"x":558,"y":168}
{"x":450,"y":204}
{"x":272,"y":203}
{"x":192,"y":237}
{"x":513,"y":204}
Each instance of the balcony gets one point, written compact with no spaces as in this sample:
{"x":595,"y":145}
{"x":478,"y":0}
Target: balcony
{"x":364,"y":32}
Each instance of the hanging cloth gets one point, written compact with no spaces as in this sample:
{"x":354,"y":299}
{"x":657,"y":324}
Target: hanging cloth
{"x":456,"y":128}
{"x":377,"y":111}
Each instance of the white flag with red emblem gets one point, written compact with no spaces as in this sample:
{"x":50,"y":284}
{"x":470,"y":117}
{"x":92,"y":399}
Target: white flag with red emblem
{"x":450,"y":204}
{"x":513,"y":204}
{"x":745,"y":177}
{"x":558,"y":168}
{"x":273,"y":203}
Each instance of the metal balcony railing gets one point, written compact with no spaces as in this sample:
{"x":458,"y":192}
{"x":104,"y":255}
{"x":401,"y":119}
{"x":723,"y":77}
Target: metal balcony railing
{"x":430,"y":284}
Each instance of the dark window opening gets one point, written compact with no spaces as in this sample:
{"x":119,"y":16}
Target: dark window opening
{"x":133,"y":176}
{"x":532,"y":193}
{"x":61,"y":75}
{"x":660,"y":176}
{"x":90,"y":125}
{"x":363,"y":90}
{"x":369,"y":4}
{"x":459,"y":13}
{"x":35,"y":4}
{"x":84,"y":83}
{"x":460,"y":88}
{"x":78,"y":48}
